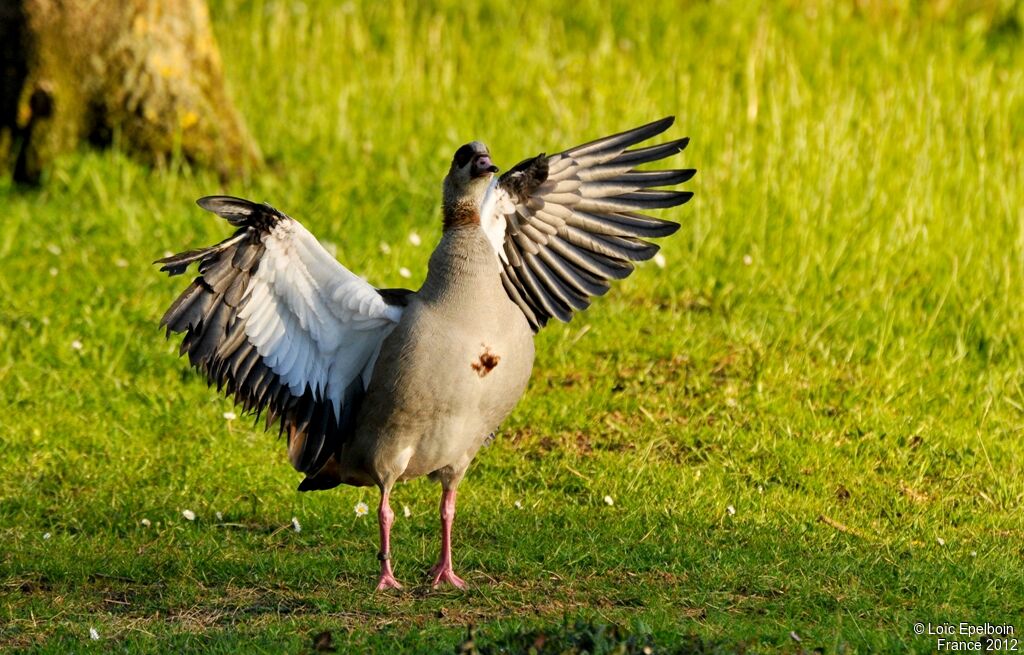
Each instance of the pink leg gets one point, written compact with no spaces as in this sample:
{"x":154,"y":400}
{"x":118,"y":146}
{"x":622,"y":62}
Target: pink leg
{"x":386,"y":518}
{"x":442,"y":571}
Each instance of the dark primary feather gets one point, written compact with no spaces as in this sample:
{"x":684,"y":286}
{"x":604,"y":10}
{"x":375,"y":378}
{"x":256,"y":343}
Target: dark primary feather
{"x":578,"y":224}
{"x":216,"y":343}
{"x":616,"y":143}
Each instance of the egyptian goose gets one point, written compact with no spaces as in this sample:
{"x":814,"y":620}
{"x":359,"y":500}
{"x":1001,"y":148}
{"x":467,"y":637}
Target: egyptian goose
{"x":374,"y":386}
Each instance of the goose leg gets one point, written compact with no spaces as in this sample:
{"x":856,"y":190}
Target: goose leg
{"x":386,"y":518}
{"x":442,"y":571}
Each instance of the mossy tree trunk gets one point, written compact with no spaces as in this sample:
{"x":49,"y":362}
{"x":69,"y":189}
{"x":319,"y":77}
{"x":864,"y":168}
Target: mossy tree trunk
{"x":144,"y":72}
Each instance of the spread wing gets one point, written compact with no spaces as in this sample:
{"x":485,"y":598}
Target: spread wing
{"x":564,"y":226}
{"x":276,"y":322}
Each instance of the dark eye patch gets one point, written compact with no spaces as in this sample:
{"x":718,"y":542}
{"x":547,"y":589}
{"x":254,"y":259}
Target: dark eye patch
{"x":463,"y":155}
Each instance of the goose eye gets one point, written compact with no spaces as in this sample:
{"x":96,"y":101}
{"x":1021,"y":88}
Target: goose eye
{"x":463,"y":155}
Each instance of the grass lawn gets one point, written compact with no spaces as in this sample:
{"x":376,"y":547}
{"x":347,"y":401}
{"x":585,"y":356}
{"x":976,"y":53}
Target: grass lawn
{"x":809,"y":420}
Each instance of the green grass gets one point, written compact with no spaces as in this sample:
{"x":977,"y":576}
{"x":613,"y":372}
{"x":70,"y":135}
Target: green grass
{"x":837,"y":333}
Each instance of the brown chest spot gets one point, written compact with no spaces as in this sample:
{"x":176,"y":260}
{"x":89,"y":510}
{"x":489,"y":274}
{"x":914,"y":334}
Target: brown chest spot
{"x":486,"y":363}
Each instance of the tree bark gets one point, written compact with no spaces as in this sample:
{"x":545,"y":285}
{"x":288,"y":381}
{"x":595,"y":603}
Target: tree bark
{"x":145,"y":74}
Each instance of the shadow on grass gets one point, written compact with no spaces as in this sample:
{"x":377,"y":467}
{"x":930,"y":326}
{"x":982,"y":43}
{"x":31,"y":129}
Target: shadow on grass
{"x":585,"y":637}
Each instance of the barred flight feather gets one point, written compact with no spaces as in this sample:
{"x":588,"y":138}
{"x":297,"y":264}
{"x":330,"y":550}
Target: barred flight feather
{"x":572,"y":220}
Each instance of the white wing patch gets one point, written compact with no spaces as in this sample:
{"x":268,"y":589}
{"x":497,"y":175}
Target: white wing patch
{"x":495,"y":206}
{"x":315,"y":323}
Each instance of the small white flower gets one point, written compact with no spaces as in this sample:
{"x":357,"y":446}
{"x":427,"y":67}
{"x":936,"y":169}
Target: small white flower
{"x":731,"y":510}
{"x":414,"y":239}
{"x":53,"y":248}
{"x":760,"y":489}
{"x":942,"y":542}
{"x":384,"y":247}
{"x":696,"y":474}
{"x":296,"y":525}
{"x":406,"y":512}
{"x":404,"y":272}
{"x":76,"y":345}
{"x":747,"y":260}
{"x":220,"y":517}
{"x":53,"y":271}
{"x":121,"y":262}
{"x":362,"y":509}
{"x":145,"y":523}
{"x":93,"y":634}
{"x":974,"y":553}
{"x":609,"y":501}
{"x":188,"y":514}
{"x":518,"y":505}
{"x":46,"y":535}
{"x":659,"y":260}
{"x":230,"y":416}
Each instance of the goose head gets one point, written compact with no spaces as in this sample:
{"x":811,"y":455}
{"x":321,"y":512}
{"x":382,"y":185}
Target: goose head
{"x":466,"y":183}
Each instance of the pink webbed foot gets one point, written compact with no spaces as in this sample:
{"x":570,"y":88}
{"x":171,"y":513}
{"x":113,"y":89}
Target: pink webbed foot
{"x":441,"y":574}
{"x":388,"y":581}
